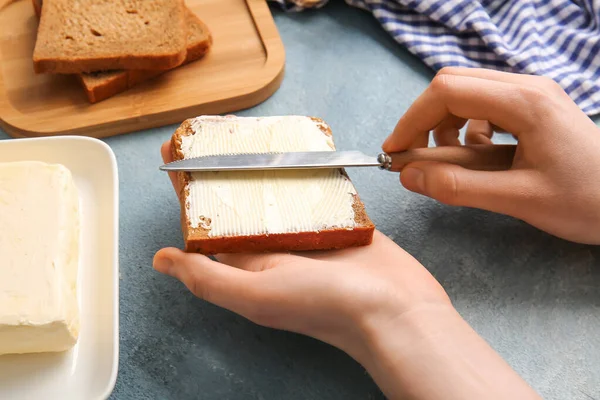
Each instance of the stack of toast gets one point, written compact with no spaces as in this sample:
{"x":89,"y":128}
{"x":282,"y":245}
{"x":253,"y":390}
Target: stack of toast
{"x":113,"y":45}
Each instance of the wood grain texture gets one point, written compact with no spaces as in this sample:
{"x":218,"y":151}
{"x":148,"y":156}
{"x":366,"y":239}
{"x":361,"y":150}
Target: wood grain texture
{"x":244,"y":67}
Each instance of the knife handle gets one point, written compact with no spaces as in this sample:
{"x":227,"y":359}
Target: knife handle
{"x":481,"y":157}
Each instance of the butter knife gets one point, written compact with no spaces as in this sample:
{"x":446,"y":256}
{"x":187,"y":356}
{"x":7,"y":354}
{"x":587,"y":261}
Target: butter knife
{"x":477,"y":157}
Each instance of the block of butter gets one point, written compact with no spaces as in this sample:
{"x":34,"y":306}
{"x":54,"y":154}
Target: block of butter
{"x":39,"y":258}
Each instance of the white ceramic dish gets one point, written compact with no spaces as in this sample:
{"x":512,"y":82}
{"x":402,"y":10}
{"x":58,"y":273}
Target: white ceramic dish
{"x":89,"y":370}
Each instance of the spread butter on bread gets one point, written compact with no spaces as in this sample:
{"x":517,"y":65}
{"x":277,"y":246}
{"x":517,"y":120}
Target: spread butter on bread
{"x":76,"y":36}
{"x":265,"y":211}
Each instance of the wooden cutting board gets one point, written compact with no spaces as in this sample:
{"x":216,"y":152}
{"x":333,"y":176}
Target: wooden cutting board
{"x":244,"y":67}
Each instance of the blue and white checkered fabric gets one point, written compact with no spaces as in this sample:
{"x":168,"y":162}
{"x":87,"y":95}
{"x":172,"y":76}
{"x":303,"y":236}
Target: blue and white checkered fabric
{"x":555,"y":38}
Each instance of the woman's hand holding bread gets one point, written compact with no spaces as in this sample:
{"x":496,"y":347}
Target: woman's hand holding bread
{"x":321,"y":294}
{"x":379,"y":304}
{"x":376,"y":303}
{"x":553,"y":184}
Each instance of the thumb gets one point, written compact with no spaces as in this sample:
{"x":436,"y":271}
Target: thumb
{"x":220,"y":284}
{"x":506,"y":192}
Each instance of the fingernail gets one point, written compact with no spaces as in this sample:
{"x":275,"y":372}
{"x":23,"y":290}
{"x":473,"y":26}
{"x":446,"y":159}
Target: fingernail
{"x":164,"y":265}
{"x":413,"y":179}
{"x":385,"y":142}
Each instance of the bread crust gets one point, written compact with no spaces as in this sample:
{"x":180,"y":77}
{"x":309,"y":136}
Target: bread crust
{"x":73,"y":64}
{"x":197,"y":239}
{"x":109,"y":87}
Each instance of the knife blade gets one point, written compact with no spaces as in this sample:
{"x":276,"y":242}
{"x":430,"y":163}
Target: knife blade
{"x":266,"y":161}
{"x":478,"y":157}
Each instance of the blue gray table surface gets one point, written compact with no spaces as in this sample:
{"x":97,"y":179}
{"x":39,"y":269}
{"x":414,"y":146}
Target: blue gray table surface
{"x":534,"y":298}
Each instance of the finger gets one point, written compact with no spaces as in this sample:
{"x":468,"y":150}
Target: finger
{"x":167,"y":156}
{"x":214,"y":282}
{"x":447,"y":133}
{"x":541,"y":82}
{"x":165,"y":152}
{"x":506,"y":192}
{"x":465,"y":97}
{"x":544,"y":83}
{"x":421,"y":141}
{"x":256,"y":262}
{"x":494,"y":75}
{"x":479,"y":132}
{"x":509,"y":77}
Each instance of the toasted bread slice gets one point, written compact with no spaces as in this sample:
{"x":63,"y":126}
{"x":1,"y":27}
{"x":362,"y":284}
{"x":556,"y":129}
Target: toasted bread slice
{"x":99,"y":86}
{"x":265,"y":211}
{"x":77,"y":36}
